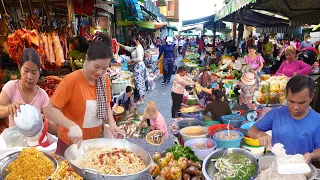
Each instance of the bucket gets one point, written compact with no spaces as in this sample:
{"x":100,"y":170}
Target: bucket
{"x":217,"y":128}
{"x":210,"y":123}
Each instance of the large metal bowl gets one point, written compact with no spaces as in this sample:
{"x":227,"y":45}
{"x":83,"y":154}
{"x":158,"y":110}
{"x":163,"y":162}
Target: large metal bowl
{"x":72,"y":153}
{"x":208,"y":166}
{"x":186,"y":123}
{"x":266,"y":161}
{"x":7,"y":160}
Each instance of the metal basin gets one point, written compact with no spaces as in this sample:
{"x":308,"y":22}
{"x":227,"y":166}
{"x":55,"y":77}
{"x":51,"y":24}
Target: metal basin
{"x":208,"y":166}
{"x":186,"y":123}
{"x":72,"y":153}
{"x":6,"y":161}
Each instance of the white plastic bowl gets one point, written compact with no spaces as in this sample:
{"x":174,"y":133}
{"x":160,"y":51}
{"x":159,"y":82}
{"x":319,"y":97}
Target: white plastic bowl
{"x":201,"y":154}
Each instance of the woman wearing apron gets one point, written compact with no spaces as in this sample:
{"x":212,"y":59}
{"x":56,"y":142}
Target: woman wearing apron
{"x":80,"y":103}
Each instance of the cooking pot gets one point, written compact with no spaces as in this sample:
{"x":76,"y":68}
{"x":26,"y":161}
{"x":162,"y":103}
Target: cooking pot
{"x":73,"y":153}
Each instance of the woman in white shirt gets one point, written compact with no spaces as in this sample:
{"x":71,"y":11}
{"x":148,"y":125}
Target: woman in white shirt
{"x":137,"y":56}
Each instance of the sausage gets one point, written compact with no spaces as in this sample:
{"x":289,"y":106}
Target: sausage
{"x":192,"y":170}
{"x":186,"y":176}
{"x":195,"y":178}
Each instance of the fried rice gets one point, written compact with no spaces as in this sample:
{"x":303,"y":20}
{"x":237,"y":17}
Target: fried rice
{"x":31,"y":164}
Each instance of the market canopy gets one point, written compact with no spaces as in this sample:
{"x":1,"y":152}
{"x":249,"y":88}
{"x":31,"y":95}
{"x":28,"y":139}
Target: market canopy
{"x":208,"y":23}
{"x":197,"y":21}
{"x":143,"y":24}
{"x":253,"y":18}
{"x":299,"y":12}
{"x":231,"y":7}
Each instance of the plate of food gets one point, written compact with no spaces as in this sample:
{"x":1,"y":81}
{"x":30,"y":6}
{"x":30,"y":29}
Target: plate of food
{"x":155,"y":137}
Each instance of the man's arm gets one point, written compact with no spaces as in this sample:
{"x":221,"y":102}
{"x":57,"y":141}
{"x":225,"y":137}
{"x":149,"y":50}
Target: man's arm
{"x":257,"y":131}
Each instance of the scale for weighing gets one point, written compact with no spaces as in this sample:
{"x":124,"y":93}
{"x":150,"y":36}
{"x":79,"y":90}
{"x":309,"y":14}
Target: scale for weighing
{"x":251,"y":115}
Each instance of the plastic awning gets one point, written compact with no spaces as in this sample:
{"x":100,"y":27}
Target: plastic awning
{"x":253,"y":18}
{"x":298,"y":11}
{"x":143,"y":24}
{"x":199,"y":20}
{"x":231,"y":7}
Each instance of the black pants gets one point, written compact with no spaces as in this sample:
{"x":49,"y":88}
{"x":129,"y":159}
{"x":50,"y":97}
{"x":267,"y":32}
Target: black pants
{"x":176,"y":103}
{"x":167,"y":70}
{"x":179,"y":49}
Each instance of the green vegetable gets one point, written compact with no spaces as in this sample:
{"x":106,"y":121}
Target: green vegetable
{"x":213,"y":67}
{"x":183,"y":151}
{"x":191,"y":102}
{"x":236,"y":74}
{"x":77,"y":55}
{"x":193,"y":56}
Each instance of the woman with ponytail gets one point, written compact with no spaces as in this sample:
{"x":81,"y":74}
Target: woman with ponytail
{"x":80,"y":103}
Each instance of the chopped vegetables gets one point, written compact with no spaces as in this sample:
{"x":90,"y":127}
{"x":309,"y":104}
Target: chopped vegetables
{"x":191,"y":102}
{"x":181,"y":151}
{"x":234,"y":167}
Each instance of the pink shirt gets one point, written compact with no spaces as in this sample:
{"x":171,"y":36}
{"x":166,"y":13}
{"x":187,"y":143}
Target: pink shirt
{"x":159,"y":124}
{"x":179,"y":83}
{"x":297,"y":66}
{"x":40,"y":101}
{"x":255,"y":63}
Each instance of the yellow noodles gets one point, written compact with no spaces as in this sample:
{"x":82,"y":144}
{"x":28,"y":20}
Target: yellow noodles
{"x":31,"y":164}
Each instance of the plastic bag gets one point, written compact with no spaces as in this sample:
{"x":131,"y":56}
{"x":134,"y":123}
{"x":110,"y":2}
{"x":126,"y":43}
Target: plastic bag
{"x":11,"y":140}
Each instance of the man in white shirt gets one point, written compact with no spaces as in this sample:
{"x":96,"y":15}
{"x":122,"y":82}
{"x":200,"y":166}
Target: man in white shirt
{"x":233,"y":63}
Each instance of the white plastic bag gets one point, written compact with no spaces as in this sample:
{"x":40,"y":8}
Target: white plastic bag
{"x":11,"y":140}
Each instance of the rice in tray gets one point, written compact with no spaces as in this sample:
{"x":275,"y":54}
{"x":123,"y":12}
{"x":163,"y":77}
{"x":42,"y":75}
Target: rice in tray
{"x":31,"y":164}
{"x":272,"y":174}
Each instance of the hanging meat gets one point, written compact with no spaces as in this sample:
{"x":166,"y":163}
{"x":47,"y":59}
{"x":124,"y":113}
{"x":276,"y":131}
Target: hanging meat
{"x":58,"y":51}
{"x":46,"y":53}
{"x":52,"y":57}
{"x":16,"y":43}
{"x":63,"y":41}
{"x":115,"y":46}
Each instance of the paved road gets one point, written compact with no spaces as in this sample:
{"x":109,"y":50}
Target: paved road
{"x":161,"y":95}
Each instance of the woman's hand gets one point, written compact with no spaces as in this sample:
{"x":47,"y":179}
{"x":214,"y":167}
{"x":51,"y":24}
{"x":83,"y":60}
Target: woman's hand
{"x":295,"y":74}
{"x":151,"y":128}
{"x":75,"y":135}
{"x":115,"y":130}
{"x":130,"y":61}
{"x":14,"y":107}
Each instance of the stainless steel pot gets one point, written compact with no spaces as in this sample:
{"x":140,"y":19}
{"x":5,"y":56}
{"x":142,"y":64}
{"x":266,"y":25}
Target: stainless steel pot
{"x":4,"y":163}
{"x":208,"y":166}
{"x":72,"y":153}
{"x":266,"y":161}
